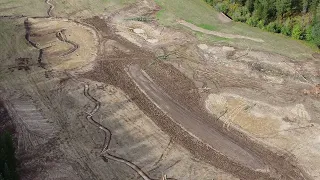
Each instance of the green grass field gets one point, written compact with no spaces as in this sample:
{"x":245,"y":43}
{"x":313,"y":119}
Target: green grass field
{"x":205,"y":16}
{"x":12,"y":39}
{"x":23,"y":7}
{"x":63,"y":8}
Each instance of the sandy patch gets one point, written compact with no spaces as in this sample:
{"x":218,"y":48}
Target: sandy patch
{"x":203,"y":46}
{"x":138,"y":31}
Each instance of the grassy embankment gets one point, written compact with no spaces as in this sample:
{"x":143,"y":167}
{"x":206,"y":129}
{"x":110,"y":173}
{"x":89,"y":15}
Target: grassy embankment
{"x":203,"y":15}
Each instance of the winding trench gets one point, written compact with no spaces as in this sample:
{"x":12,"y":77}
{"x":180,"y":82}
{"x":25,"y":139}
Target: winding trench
{"x":104,"y":153}
{"x":108,"y":134}
{"x":62,"y":37}
{"x":27,"y":37}
{"x":49,"y":12}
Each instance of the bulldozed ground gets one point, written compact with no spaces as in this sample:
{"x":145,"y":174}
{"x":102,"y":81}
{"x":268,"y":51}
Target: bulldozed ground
{"x":107,"y":92}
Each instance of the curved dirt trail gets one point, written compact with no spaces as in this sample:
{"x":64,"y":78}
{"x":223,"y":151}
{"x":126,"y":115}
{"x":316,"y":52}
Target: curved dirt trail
{"x":60,"y":34}
{"x":191,"y":123}
{"x":62,"y":37}
{"x":104,"y":152}
{"x":224,"y":35}
{"x":49,"y":12}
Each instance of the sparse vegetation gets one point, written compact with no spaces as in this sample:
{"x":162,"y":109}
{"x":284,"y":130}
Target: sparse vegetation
{"x":141,"y":19}
{"x":207,"y":26}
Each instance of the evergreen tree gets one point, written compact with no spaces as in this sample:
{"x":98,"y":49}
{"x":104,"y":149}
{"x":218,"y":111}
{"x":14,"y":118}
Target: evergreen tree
{"x":250,"y":5}
{"x":296,"y":6}
{"x":296,"y":31}
{"x":309,"y":36}
{"x":1,"y":177}
{"x":283,"y":7}
{"x":313,"y":7}
{"x":265,"y":9}
{"x":286,"y":29}
{"x":305,"y":6}
{"x":316,"y":33}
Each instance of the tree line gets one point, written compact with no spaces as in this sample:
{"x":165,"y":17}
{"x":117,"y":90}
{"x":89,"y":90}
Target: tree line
{"x":8,"y":162}
{"x":299,"y":19}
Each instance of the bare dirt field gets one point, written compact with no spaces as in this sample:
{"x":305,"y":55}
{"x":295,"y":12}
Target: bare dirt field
{"x":120,"y":96}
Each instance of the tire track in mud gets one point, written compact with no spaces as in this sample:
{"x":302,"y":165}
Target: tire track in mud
{"x":108,"y":135}
{"x":192,"y":124}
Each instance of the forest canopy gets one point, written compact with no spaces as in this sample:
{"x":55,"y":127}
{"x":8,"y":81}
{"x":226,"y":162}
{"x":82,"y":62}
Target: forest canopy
{"x":299,"y":19}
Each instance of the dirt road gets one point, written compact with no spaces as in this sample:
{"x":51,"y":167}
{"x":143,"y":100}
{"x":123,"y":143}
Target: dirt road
{"x":224,"y":35}
{"x":191,"y":123}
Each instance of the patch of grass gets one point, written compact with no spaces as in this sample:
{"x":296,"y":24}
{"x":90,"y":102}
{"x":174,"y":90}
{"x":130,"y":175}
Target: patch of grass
{"x":160,"y":14}
{"x":211,"y":39}
{"x":207,"y":26}
{"x":199,"y":13}
{"x":204,"y":26}
{"x":12,"y":38}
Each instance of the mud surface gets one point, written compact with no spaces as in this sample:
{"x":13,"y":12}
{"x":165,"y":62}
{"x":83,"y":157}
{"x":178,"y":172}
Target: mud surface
{"x":122,"y":97}
{"x":186,"y":119}
{"x":111,"y":70}
{"x":180,"y":88}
